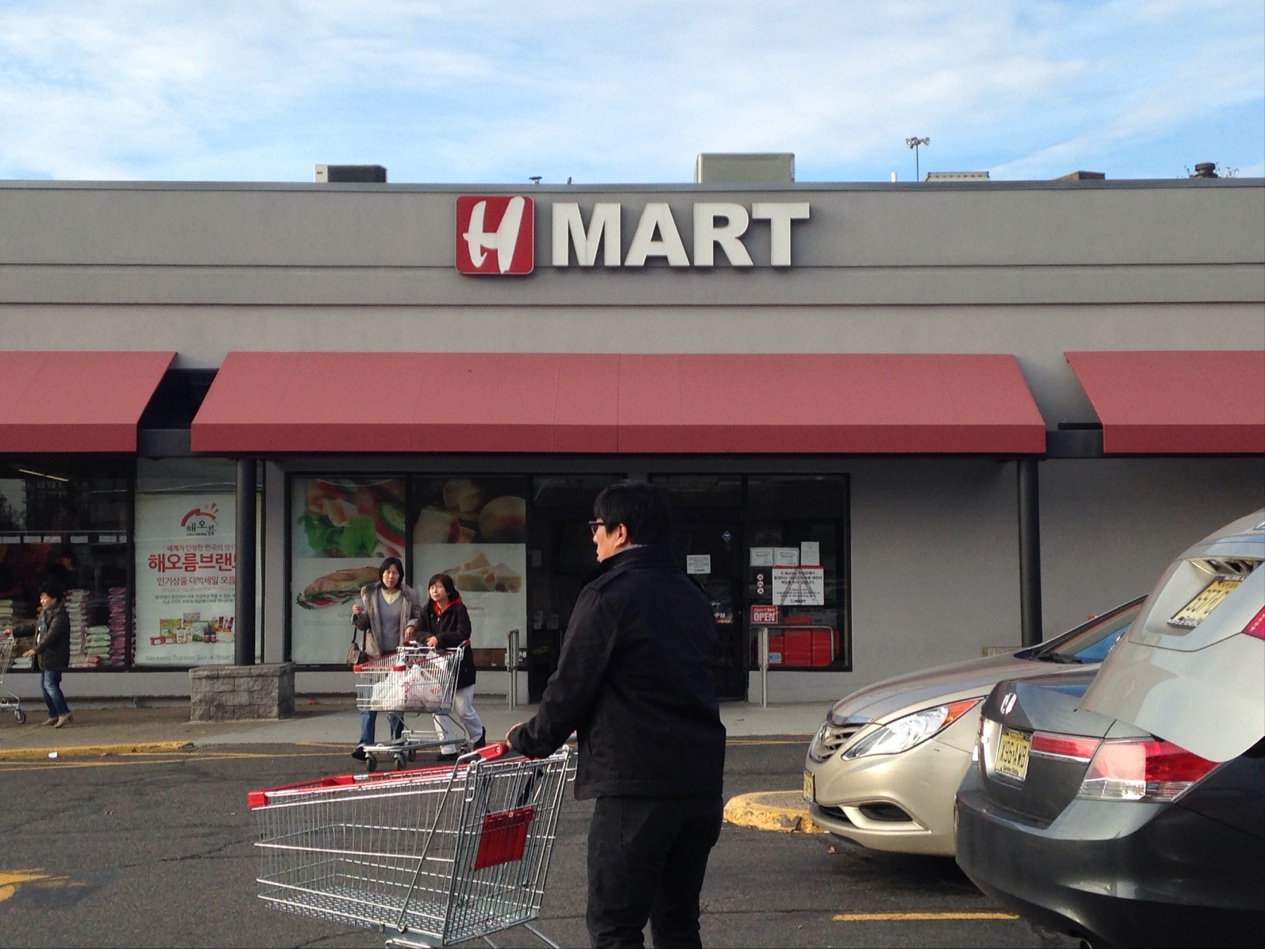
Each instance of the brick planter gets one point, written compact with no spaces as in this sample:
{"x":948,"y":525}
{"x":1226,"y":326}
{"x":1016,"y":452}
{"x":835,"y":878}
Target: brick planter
{"x":228,"y":693}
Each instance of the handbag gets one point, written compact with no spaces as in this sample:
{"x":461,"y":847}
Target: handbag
{"x":357,"y":654}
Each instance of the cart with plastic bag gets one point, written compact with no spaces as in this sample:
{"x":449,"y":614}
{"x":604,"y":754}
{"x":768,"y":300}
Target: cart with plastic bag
{"x":431,"y":856}
{"x":414,"y":679}
{"x":9,"y":702}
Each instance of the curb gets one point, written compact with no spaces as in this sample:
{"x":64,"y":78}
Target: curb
{"x":95,"y":751}
{"x":781,"y":811}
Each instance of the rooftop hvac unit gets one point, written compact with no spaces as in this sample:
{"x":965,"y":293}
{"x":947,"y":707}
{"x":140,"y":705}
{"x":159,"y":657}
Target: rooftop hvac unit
{"x":745,"y":169}
{"x":339,"y":174}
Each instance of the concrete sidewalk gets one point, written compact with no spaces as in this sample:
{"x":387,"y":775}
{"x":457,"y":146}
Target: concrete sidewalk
{"x":102,"y":729}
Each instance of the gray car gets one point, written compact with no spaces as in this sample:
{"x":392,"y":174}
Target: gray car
{"x":1128,"y":809}
{"x":883,"y":768}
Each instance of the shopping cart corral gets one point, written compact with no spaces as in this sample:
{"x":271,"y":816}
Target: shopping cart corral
{"x":414,"y":679}
{"x":8,"y":701}
{"x":433,"y":856}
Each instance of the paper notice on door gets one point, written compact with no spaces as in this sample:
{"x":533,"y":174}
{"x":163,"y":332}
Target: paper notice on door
{"x":698,"y":563}
{"x":810,"y":553}
{"x":799,"y":586}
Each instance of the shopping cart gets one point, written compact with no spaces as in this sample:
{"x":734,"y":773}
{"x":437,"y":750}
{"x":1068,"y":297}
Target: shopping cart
{"x":417,"y":679}
{"x":440,"y":855}
{"x":9,"y":701}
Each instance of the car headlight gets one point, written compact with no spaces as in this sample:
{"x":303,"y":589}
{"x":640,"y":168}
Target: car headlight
{"x":906,"y":732}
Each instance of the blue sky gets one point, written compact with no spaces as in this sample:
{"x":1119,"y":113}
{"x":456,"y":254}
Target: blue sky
{"x":477,"y":91}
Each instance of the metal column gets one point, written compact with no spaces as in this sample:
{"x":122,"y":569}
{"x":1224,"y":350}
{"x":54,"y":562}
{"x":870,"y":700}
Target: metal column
{"x":1029,"y":552}
{"x":244,"y":607}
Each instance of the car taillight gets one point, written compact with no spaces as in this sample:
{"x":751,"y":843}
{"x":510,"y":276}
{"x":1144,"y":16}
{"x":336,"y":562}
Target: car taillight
{"x":1256,"y":626}
{"x":1063,"y":746}
{"x":1149,"y":770}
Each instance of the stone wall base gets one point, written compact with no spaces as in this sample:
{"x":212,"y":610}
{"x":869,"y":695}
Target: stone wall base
{"x":228,"y":693}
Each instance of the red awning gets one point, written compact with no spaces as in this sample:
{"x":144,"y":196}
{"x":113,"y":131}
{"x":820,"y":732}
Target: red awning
{"x":1198,"y":402}
{"x":75,"y":401}
{"x":597,"y":403}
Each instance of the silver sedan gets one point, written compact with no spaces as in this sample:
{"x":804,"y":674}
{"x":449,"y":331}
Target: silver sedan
{"x":884,"y":766}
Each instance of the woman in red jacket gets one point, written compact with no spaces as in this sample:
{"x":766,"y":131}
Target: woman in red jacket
{"x":446,"y":625}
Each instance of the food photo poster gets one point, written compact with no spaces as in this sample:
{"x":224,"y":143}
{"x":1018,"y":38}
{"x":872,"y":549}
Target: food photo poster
{"x":475,"y":530}
{"x":343,"y":528}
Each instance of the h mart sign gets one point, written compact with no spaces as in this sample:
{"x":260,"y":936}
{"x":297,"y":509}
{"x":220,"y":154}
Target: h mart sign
{"x":496,"y":234}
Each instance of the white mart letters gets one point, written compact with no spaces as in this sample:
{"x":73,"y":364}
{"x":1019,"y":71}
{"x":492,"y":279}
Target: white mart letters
{"x":716,"y":224}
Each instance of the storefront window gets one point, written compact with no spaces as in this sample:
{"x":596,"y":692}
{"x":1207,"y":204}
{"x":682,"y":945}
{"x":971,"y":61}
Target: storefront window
{"x":341,"y":530}
{"x":186,"y":560}
{"x":67,"y":519}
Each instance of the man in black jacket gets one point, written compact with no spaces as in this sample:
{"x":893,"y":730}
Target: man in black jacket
{"x":51,"y":651}
{"x":634,"y":683}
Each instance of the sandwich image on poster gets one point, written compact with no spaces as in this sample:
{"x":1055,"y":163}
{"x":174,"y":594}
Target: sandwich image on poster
{"x":480,"y":575}
{"x":490,"y":579}
{"x":333,"y":587}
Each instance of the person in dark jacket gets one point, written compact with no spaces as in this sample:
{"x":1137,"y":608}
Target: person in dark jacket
{"x":446,"y":625}
{"x":52,"y":649}
{"x":634,"y":682}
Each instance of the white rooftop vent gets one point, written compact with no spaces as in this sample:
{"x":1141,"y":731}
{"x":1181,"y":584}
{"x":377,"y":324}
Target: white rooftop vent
{"x":957,"y":176}
{"x":774,"y":168}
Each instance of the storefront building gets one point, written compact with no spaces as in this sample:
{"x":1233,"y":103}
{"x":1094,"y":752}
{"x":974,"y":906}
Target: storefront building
{"x":899,"y":423}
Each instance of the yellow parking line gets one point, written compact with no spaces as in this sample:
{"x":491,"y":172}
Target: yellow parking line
{"x":904,"y":917}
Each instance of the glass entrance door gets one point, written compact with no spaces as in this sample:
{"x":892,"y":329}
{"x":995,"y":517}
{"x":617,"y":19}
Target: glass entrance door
{"x":712,"y":555}
{"x":708,"y":543}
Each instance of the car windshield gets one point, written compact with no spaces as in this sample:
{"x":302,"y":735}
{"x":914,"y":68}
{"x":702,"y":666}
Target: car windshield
{"x":1090,"y":641}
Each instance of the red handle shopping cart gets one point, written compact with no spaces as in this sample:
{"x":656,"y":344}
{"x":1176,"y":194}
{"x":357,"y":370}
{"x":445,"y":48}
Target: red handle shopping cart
{"x":435,"y":856}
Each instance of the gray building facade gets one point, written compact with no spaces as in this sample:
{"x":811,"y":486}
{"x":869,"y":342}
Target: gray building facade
{"x":900,"y":423}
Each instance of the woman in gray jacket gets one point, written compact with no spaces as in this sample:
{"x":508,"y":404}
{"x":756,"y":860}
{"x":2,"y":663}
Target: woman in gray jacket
{"x":392,"y":610}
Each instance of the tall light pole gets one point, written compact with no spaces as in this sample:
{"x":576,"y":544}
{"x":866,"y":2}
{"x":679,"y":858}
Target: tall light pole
{"x":914,"y":143}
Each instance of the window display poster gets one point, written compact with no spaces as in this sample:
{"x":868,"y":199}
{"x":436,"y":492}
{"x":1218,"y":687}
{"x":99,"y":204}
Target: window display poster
{"x":343,"y":529}
{"x":475,"y":530}
{"x":489,"y":578}
{"x":186,"y":580}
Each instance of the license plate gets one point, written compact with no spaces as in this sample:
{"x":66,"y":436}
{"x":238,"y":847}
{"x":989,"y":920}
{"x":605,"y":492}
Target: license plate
{"x":1209,"y":598}
{"x":809,"y":790}
{"x":1012,"y":754}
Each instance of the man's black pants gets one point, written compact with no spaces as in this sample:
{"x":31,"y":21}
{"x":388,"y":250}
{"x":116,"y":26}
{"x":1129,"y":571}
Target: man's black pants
{"x":647,"y":860}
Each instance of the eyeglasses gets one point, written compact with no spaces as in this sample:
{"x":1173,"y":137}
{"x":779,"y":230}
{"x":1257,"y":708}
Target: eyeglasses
{"x":594,"y":525}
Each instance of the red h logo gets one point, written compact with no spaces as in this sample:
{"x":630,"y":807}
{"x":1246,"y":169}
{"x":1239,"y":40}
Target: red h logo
{"x":495,"y":234}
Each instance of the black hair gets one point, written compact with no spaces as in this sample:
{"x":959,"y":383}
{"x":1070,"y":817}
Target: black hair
{"x":388,"y":563}
{"x":640,"y":506}
{"x":53,"y":588}
{"x":446,"y":581}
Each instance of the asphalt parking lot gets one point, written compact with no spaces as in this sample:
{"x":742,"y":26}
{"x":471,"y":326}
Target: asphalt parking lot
{"x":155,"y":847}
